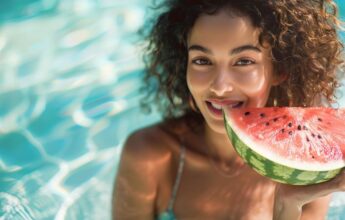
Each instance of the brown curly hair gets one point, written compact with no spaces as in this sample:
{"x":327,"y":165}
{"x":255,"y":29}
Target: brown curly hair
{"x":302,"y":34}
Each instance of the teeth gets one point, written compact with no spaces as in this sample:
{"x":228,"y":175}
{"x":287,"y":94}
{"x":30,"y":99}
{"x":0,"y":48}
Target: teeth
{"x":219,"y":107}
{"x":236,"y":105}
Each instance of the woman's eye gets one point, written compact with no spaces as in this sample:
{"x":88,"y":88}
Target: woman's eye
{"x":201,"y":62}
{"x":244,"y":62}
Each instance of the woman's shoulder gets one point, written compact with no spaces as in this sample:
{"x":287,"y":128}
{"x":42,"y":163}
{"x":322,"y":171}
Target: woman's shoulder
{"x":145,"y":162}
{"x":156,"y":144}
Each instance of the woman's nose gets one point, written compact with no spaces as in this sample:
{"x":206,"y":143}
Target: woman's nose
{"x":221,"y":83}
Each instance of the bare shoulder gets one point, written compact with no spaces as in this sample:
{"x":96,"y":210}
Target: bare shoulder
{"x":151,"y":144}
{"x":160,"y":142}
{"x":145,"y":160}
{"x":152,"y":149}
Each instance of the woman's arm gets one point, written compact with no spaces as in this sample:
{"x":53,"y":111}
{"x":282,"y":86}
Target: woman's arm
{"x":135,"y":188}
{"x":316,"y":210}
{"x":285,"y":210}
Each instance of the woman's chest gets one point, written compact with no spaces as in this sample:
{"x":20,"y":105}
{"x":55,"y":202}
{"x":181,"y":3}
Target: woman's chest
{"x":208,"y":195}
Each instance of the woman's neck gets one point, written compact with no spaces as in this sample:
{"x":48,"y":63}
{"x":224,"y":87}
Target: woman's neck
{"x":219,"y":146}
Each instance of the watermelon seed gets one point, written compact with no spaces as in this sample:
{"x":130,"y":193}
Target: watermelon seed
{"x":290,"y":132}
{"x":283,"y":130}
{"x":299,"y":127}
{"x":312,"y":134}
{"x":247,"y":113}
{"x":319,"y":136}
{"x":290,"y":124}
{"x":319,"y":119}
{"x":267,"y":123}
{"x":307,"y":139}
{"x":313,"y":156}
{"x":262,"y":115}
{"x":275,"y":119}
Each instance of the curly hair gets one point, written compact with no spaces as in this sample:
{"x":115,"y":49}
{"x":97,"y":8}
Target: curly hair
{"x":302,"y":35}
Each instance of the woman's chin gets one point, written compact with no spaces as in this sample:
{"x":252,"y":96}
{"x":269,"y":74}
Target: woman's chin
{"x":216,"y":126}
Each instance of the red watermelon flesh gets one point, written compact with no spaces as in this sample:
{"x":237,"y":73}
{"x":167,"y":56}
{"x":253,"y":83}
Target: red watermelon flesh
{"x":303,"y":138}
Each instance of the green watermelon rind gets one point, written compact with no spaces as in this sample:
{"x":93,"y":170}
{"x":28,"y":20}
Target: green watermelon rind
{"x":276,"y":171}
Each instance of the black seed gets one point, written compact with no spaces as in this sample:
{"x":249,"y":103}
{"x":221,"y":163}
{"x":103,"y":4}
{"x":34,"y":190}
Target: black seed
{"x":319,"y":119}
{"x":319,"y":136}
{"x":307,"y":139}
{"x":313,"y":135}
{"x":283,"y":130}
{"x":247,"y":113}
{"x":290,"y":124}
{"x":290,"y":132}
{"x":275,"y":119}
{"x":262,"y":115}
{"x":313,"y":156}
{"x":267,"y":123}
{"x":299,"y":127}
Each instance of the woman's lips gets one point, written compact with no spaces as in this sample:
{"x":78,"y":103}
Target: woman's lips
{"x":215,"y":108}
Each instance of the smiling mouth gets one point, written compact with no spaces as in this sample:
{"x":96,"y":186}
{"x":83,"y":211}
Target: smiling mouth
{"x":216,"y":109}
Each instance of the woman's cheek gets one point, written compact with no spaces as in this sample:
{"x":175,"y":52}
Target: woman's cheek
{"x":257,"y":89}
{"x":253,"y":83}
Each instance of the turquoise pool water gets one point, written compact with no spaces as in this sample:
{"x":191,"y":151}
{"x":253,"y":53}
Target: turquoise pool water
{"x":69,"y":74}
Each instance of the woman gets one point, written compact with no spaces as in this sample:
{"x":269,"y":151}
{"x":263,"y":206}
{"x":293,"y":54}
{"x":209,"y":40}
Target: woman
{"x":204,"y":55}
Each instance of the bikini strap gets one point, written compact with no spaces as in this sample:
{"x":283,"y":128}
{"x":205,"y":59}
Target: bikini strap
{"x":178,"y":178}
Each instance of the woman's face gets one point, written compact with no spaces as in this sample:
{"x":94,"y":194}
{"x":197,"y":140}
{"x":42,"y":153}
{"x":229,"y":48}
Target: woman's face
{"x":227,"y":66}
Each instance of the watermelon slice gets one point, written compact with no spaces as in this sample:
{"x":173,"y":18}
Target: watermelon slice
{"x":292,"y":145}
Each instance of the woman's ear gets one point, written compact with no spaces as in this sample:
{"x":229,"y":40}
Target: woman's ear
{"x":279,"y":78}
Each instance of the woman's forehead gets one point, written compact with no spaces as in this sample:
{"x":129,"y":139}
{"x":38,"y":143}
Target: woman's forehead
{"x":223,"y":28}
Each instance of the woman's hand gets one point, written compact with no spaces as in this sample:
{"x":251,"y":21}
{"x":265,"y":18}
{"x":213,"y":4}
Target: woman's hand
{"x":290,"y":199}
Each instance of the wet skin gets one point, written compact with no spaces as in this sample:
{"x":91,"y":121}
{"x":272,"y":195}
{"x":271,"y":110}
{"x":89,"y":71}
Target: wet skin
{"x":226,"y":64}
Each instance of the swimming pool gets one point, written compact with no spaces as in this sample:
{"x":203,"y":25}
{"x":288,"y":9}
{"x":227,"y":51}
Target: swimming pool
{"x":69,"y":74}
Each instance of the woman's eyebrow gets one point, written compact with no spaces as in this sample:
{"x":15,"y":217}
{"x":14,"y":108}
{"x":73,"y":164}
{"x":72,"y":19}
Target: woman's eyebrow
{"x":245,"y":47}
{"x":200,"y":48}
{"x":232,"y":52}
